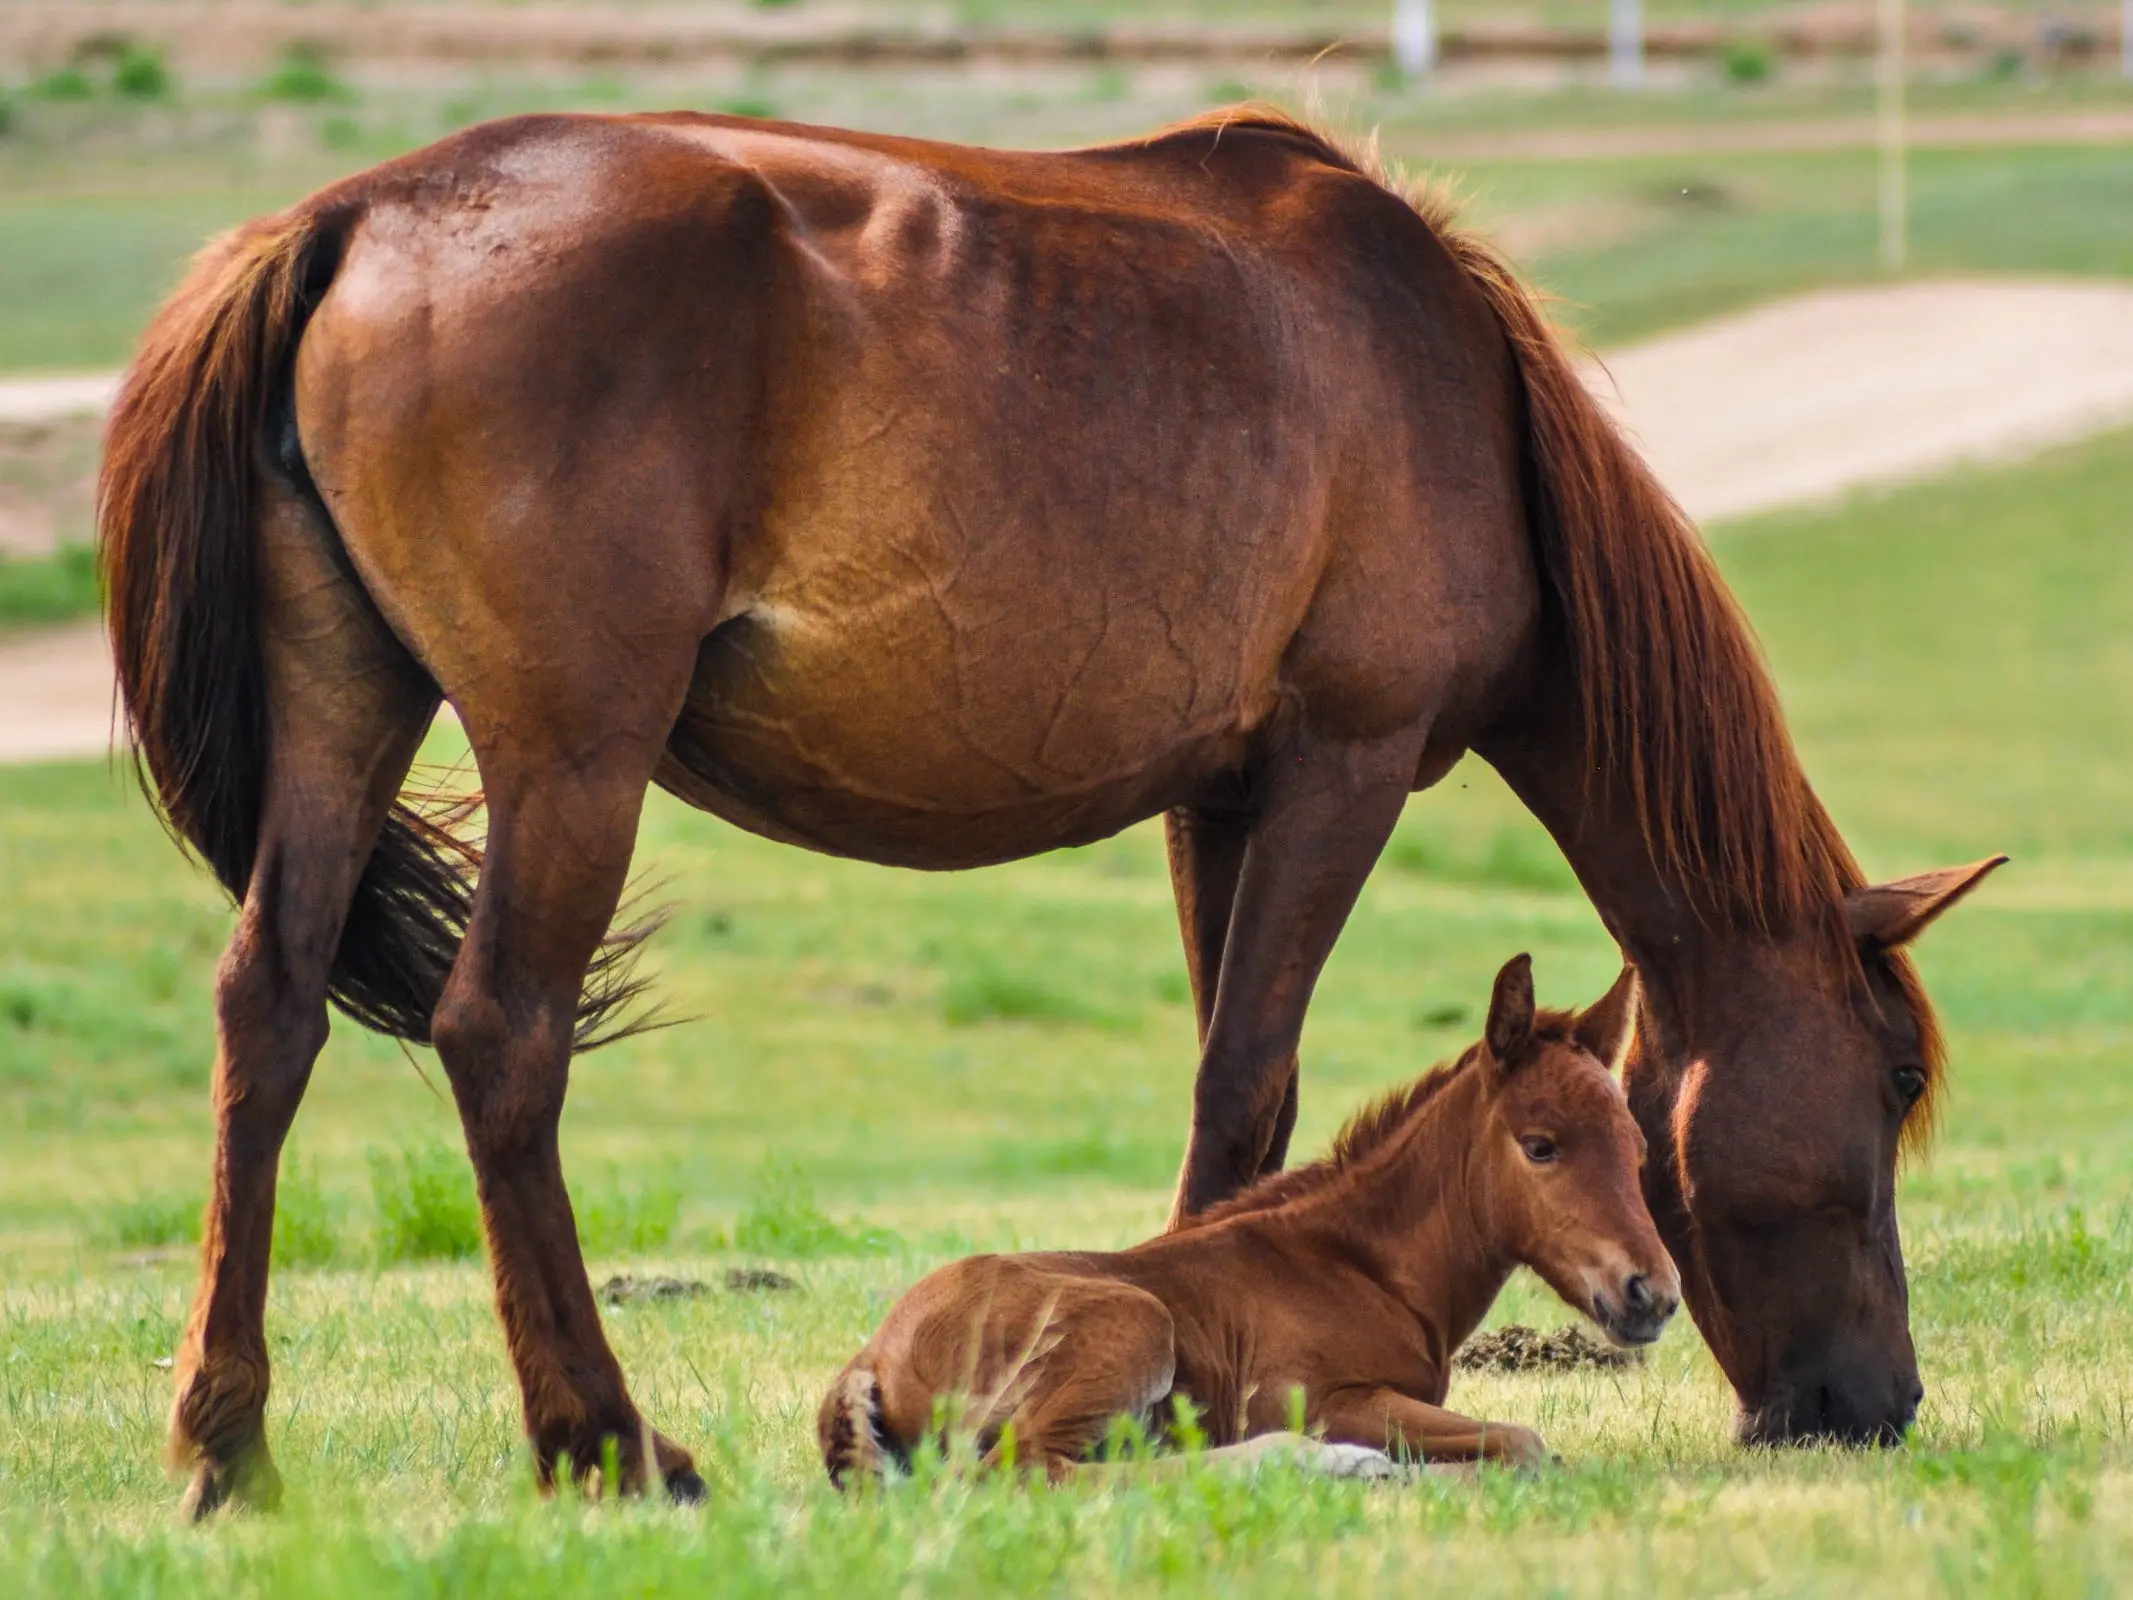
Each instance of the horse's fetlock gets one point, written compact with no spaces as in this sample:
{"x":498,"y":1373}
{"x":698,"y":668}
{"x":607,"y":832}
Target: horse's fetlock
{"x":604,"y":1456}
{"x":219,"y":1411}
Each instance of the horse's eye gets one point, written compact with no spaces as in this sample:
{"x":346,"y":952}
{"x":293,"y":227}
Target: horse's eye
{"x":1539,"y":1151}
{"x":1910,"y":1084}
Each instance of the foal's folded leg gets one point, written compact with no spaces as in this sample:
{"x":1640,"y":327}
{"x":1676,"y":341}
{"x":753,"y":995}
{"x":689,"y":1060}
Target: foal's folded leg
{"x":1385,"y":1419}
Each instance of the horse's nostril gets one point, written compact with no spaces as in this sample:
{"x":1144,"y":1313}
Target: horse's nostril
{"x":1637,"y":1293}
{"x":1918,"y":1395}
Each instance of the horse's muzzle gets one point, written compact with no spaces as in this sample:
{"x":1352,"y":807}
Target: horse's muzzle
{"x":1821,"y":1411}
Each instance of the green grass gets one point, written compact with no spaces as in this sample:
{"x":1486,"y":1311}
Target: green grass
{"x":1955,"y":659}
{"x":425,"y":1205}
{"x":48,"y":588}
{"x":1676,"y":239}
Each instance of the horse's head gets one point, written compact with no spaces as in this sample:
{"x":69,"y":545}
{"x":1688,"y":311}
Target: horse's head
{"x":1563,"y":1157}
{"x":1774,"y":1180}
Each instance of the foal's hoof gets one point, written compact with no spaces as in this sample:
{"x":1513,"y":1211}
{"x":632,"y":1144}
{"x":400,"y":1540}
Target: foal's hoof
{"x":1351,"y":1461}
{"x":686,"y":1487}
{"x":249,"y":1483}
{"x":1316,"y":1456}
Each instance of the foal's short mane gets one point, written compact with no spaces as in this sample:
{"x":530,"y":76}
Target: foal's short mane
{"x":1678,"y":706}
{"x":1371,"y":1129}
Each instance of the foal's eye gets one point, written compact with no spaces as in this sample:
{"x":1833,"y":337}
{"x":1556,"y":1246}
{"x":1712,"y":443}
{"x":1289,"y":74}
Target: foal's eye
{"x":1910,"y":1084}
{"x":1539,"y":1151}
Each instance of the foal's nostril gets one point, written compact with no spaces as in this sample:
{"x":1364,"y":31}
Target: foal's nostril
{"x":1637,"y":1294}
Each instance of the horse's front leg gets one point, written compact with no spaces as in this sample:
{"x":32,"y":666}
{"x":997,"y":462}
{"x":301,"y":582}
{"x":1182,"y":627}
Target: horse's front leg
{"x":1322,"y":811}
{"x":1206,"y":859}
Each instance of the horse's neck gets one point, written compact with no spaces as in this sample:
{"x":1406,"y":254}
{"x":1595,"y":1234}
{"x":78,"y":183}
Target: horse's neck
{"x":1647,"y":907}
{"x":1421,"y":1209}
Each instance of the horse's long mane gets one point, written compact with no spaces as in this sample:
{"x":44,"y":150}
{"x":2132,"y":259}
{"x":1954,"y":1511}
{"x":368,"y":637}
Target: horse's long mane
{"x":1370,"y":1131}
{"x":1677,"y":702}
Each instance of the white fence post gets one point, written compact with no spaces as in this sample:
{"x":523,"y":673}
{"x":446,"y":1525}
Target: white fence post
{"x":1895,"y":209}
{"x":1625,"y":43}
{"x":1414,"y":37}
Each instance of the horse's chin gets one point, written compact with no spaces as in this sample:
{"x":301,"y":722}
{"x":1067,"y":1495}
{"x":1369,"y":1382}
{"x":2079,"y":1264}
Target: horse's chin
{"x":1807,"y":1418}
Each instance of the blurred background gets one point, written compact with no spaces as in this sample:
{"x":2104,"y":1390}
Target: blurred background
{"x":1653,"y":163}
{"x":1785,"y":312}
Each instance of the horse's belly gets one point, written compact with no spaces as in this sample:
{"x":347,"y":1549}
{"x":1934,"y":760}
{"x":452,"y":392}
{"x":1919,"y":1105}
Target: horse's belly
{"x":894,"y":738}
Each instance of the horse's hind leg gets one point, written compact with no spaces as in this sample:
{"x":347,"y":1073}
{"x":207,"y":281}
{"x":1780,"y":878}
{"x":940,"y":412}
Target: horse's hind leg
{"x":1106,"y":1350}
{"x":347,"y":710}
{"x":565,"y":759}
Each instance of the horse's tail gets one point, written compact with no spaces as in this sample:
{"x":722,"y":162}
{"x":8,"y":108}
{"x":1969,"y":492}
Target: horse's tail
{"x":853,"y":1432}
{"x":1677,"y":702}
{"x":185,"y":454}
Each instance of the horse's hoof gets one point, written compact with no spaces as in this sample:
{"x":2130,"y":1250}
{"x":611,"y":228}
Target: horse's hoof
{"x":686,"y":1487}
{"x":252,"y":1482}
{"x":204,"y":1496}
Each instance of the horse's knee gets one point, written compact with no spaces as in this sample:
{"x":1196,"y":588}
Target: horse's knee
{"x":507,"y":1073}
{"x":468,"y":1027}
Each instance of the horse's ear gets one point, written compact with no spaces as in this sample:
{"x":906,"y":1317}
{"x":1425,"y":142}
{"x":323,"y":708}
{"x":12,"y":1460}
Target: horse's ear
{"x":1511,"y":1011}
{"x":1605,"y":1028}
{"x":1895,"y":913}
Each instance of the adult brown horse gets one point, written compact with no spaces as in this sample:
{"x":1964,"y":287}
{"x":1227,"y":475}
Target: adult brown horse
{"x":939,"y":506}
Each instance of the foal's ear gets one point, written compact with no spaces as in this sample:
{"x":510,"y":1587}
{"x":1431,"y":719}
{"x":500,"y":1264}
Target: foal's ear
{"x":1511,"y":1011}
{"x":1605,"y":1028}
{"x":1895,"y":913}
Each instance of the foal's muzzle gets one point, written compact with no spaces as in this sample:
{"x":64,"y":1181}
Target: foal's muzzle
{"x":1636,"y":1312}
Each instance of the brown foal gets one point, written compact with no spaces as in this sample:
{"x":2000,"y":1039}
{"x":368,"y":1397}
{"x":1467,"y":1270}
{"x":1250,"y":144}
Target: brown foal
{"x":1352,"y":1280}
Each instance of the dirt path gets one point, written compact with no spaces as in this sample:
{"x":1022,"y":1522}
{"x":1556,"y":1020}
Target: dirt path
{"x":1794,"y":402}
{"x":55,"y":694}
{"x":55,"y":399}
{"x":1807,"y":398}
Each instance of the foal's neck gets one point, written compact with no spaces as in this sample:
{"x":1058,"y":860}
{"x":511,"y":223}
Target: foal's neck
{"x":1420,"y":1210}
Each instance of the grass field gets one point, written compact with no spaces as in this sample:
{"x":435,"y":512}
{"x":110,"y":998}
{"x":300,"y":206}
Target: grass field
{"x":885,"y":1069}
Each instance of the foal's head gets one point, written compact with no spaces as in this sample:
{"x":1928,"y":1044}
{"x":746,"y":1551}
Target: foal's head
{"x":1559,"y":1156}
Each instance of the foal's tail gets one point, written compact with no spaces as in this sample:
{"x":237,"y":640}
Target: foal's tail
{"x":203,"y":418}
{"x":853,"y":1432}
